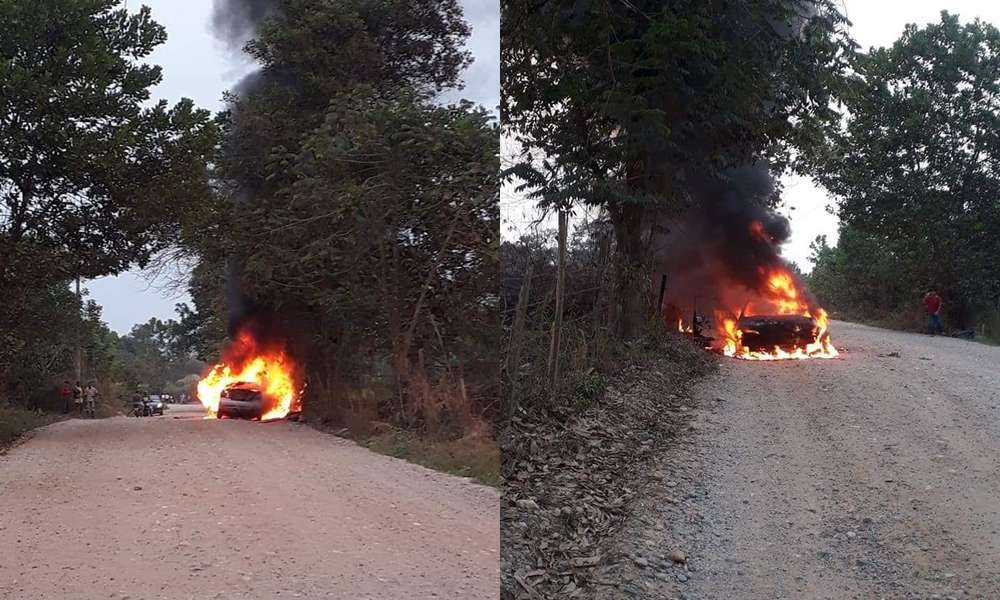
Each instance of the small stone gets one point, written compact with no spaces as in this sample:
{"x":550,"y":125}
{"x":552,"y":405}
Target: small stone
{"x":677,"y":556}
{"x":642,"y":562}
{"x":681,"y":577}
{"x":526,"y":504}
{"x":137,"y":488}
{"x":851,"y":534}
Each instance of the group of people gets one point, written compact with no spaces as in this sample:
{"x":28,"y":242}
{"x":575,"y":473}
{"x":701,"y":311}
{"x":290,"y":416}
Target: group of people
{"x":84,"y":399}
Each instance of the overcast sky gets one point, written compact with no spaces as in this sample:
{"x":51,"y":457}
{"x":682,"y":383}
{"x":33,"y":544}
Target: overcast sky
{"x":197,"y":66}
{"x":875,"y":23}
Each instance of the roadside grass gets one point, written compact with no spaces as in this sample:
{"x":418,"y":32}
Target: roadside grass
{"x":438,"y":429}
{"x":15,"y":421}
{"x":915,"y":322}
{"x":474,"y":455}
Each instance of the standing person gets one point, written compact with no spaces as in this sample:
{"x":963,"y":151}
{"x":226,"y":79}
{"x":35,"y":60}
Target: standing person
{"x":66,"y":395}
{"x":90,"y":397}
{"x":77,"y":397}
{"x":933,"y":303}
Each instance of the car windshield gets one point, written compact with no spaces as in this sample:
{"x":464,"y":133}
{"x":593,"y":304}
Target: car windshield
{"x":242,"y":394}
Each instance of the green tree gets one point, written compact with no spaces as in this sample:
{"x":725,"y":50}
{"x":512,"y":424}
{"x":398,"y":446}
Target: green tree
{"x":915,"y":166}
{"x":152,"y":355}
{"x":92,"y":180}
{"x":619,"y":102}
{"x":360,"y":215}
{"x":86,"y":172}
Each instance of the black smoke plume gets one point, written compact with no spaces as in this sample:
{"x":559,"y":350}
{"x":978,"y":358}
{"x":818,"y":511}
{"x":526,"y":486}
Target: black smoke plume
{"x":236,"y":22}
{"x":720,"y":254}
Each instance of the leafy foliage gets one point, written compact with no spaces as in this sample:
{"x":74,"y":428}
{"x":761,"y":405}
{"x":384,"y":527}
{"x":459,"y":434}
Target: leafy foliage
{"x":149,"y":357}
{"x":622,"y":97}
{"x":620,"y":103}
{"x":87,"y":173}
{"x":91,"y":180}
{"x":916,"y":167}
{"x":358,"y":214}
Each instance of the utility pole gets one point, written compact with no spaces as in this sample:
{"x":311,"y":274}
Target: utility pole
{"x":79,"y":327}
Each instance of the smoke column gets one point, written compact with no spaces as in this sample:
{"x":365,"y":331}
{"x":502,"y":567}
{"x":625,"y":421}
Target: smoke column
{"x":235,"y":22}
{"x":715,"y":256}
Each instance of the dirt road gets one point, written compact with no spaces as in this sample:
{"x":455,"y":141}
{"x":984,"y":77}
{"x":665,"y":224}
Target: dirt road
{"x":876,"y":475}
{"x":179,"y":508}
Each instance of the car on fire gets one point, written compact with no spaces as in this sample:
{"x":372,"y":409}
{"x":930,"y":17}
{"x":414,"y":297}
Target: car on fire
{"x":242,"y":399}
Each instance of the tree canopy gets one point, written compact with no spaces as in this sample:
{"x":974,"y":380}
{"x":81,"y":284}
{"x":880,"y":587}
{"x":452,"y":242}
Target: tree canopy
{"x":614,"y":99}
{"x":357,"y":211}
{"x":916,"y":165}
{"x":93,"y":178}
{"x":88,"y":174}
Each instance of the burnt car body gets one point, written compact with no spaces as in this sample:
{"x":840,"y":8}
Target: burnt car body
{"x":244,"y":400}
{"x":788,"y":332}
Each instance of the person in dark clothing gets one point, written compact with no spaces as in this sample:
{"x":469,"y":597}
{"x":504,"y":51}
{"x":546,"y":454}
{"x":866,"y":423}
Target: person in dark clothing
{"x":932,"y":301}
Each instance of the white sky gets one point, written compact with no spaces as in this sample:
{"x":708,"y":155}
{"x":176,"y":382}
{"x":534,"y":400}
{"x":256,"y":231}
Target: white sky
{"x":197,"y":66}
{"x":875,"y":23}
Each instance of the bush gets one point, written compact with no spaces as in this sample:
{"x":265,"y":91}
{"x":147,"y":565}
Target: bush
{"x":16,"y":421}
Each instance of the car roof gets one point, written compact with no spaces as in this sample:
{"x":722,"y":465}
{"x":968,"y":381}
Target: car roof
{"x":244,"y":385}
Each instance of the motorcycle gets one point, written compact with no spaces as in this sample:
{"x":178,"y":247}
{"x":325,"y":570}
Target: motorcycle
{"x":140,"y":409}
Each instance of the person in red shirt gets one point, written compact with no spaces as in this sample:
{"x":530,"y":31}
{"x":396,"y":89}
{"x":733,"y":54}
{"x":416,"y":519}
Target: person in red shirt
{"x":65,"y":394}
{"x":933,"y":303}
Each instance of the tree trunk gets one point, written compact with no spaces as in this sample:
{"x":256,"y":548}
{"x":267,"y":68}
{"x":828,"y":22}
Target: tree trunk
{"x":554,"y":348}
{"x":630,"y":270}
{"x":513,"y":364}
{"x":602,"y":259}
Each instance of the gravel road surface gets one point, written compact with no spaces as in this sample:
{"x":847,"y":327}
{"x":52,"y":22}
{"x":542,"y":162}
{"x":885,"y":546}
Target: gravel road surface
{"x":180,"y":507}
{"x":876,"y":475}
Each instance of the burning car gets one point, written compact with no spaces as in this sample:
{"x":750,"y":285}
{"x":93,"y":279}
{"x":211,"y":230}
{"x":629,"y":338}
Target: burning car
{"x":783,"y":323}
{"x":724,"y":279}
{"x":241,"y":399}
{"x":255,"y":379}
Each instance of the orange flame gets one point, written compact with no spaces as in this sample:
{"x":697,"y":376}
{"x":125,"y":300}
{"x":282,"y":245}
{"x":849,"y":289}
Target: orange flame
{"x":244,"y":361}
{"x":757,"y":231}
{"x":782,"y":296}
